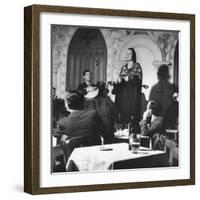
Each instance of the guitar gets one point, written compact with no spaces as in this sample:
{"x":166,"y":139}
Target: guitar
{"x":92,"y":92}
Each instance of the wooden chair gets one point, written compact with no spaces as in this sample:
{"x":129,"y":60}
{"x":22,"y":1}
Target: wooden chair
{"x":65,"y":150}
{"x":79,"y":141}
{"x":57,"y":152}
{"x":172,"y":134}
{"x":172,"y":151}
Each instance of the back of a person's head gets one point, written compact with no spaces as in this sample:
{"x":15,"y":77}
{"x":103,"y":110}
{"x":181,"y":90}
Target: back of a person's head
{"x":74,"y":100}
{"x":155,"y":107}
{"x":163,"y":72}
{"x":103,"y":90}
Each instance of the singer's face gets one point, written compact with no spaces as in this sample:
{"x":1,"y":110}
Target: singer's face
{"x":129,"y":55}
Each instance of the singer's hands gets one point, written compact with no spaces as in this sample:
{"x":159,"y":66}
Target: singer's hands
{"x":119,"y":80}
{"x":126,"y":78}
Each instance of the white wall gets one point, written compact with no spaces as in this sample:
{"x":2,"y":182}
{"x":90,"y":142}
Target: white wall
{"x":11,"y":101}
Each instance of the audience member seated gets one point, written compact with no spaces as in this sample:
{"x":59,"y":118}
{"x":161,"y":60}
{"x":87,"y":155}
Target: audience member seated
{"x":152,"y":125}
{"x":80,"y":122}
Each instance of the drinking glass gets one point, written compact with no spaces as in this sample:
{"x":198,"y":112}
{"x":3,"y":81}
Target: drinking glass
{"x":102,"y":141}
{"x":118,"y":128}
{"x":134,"y":143}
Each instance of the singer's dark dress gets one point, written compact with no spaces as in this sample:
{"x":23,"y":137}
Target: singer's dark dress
{"x":128,"y":94}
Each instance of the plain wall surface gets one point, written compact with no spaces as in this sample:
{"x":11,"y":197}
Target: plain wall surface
{"x":11,"y":101}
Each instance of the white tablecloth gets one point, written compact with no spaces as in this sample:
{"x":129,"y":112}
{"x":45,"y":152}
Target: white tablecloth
{"x":107,"y":157}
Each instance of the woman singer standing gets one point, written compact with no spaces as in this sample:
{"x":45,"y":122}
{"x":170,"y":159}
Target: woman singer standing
{"x":128,"y":90}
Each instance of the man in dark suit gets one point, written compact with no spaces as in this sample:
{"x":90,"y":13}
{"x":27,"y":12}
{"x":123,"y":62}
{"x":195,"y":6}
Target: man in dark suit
{"x":81,"y":122}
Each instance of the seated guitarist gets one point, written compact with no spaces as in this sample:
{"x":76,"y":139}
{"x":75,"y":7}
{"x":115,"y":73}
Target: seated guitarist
{"x":86,"y":87}
{"x":101,"y":103}
{"x":83,"y":87}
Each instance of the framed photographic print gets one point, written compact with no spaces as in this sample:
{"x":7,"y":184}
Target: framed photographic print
{"x":109,"y":99}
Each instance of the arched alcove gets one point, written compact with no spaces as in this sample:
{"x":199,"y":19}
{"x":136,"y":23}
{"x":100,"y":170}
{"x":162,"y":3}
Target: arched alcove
{"x":87,"y":50}
{"x":147,"y":51}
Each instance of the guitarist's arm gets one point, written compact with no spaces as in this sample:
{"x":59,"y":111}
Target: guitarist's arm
{"x":82,"y":88}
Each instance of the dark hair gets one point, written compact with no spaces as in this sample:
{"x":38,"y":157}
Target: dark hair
{"x":85,"y":71}
{"x":133,"y":54}
{"x":163,"y":71}
{"x":103,"y":90}
{"x":155,"y":107}
{"x":75,"y":100}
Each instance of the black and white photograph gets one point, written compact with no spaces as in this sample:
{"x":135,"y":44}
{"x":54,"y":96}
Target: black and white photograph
{"x":114,"y":99}
{"x":109,"y":99}
{"x":100,"y":99}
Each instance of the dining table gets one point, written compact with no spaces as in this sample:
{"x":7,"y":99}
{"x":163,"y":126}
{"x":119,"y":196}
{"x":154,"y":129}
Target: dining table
{"x":114,"y":157}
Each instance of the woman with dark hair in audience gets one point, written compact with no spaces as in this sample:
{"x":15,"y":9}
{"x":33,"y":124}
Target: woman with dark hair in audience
{"x":152,"y":125}
{"x":128,"y":90}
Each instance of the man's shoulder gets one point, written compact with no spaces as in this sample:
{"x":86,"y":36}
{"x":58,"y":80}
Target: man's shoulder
{"x":63,"y":120}
{"x":91,"y":112}
{"x":82,"y":85}
{"x":83,"y":113}
{"x":87,"y":114}
{"x":158,"y":119}
{"x":157,"y":88}
{"x":157,"y":85}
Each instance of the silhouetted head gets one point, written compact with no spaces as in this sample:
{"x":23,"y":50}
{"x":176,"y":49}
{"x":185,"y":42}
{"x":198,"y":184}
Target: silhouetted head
{"x":74,"y":100}
{"x":103,"y":90}
{"x":163,"y":72}
{"x":155,"y":107}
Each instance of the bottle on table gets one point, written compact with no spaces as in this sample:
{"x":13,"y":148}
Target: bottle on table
{"x":148,"y":119}
{"x":132,"y":132}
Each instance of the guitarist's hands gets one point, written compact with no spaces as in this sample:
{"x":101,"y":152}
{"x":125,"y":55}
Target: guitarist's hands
{"x":90,"y":89}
